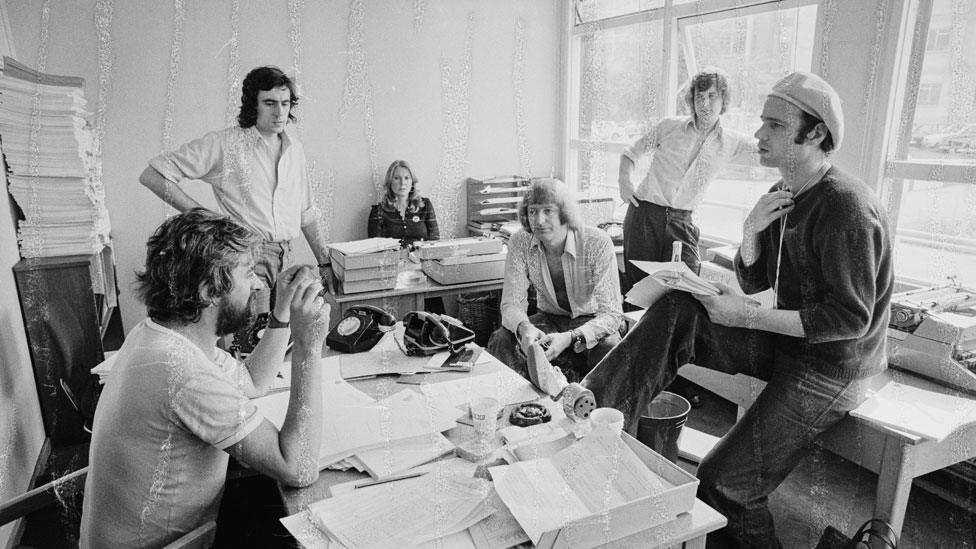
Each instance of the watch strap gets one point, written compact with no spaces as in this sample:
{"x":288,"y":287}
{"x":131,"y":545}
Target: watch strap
{"x":273,"y":322}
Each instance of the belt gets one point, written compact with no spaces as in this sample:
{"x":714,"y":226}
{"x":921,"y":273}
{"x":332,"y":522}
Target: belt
{"x":665,"y":209}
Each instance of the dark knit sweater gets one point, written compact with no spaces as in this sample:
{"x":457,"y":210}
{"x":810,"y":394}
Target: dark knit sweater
{"x":836,"y":270}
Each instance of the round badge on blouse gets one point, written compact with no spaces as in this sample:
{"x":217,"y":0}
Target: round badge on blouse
{"x":416,"y":219}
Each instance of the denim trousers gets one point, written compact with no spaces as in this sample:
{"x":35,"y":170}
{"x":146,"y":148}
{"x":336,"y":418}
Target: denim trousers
{"x":775,"y":434}
{"x":270,"y":258}
{"x":504,"y":346}
{"x":649,"y":230}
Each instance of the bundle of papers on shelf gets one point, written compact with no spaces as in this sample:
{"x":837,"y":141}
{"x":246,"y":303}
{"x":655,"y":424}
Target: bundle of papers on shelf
{"x":53,"y":171}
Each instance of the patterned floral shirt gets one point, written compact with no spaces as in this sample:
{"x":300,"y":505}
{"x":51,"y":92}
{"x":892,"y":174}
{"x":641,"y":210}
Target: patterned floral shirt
{"x":590,"y":273}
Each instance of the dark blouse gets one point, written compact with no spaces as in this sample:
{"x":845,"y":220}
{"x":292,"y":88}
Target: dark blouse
{"x":419,"y":224}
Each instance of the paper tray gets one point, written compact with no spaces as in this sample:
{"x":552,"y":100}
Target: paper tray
{"x":361,"y":261}
{"x":465,"y":272}
{"x":634,"y":516}
{"x":437,"y":249}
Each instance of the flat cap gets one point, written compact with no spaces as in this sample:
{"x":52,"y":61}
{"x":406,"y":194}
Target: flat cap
{"x":814,"y":96}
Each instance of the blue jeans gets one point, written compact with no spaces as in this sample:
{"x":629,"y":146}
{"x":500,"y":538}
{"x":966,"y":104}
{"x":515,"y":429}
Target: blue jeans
{"x":649,"y":231}
{"x":270,"y":258}
{"x":776,"y":433}
{"x":503,"y":345}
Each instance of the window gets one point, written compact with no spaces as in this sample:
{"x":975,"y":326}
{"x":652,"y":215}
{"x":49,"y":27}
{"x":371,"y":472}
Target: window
{"x":928,"y":94}
{"x":938,"y":39}
{"x":930,"y":182}
{"x":629,"y":60}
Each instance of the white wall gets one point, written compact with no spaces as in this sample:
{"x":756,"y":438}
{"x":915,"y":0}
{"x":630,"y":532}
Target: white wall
{"x":409,"y":88}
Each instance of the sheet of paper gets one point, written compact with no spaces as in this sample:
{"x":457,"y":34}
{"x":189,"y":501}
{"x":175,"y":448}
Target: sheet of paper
{"x":502,"y":384}
{"x":537,"y":496}
{"x":401,"y":455}
{"x":444,"y":467}
{"x":349,"y":429}
{"x":498,"y":531}
{"x":398,"y":514}
{"x":677,"y":275}
{"x":302,"y":527}
{"x":927,"y":414}
{"x":366,"y":246}
{"x":335,"y":392}
{"x":360,"y":365}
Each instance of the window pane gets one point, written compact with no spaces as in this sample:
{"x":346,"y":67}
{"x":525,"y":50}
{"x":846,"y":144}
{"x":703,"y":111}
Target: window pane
{"x":618,"y":72}
{"x":936,"y":233}
{"x":593,"y":10}
{"x":755,"y":49}
{"x":945,"y":112}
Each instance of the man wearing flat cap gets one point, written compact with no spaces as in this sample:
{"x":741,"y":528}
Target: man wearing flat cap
{"x":819,"y":239}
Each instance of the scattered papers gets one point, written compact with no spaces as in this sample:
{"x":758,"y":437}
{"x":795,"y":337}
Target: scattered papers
{"x":399,"y":514}
{"x":444,"y":467}
{"x":916,"y":411}
{"x":677,"y":275}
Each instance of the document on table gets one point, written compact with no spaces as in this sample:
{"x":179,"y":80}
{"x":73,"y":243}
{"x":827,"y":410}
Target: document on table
{"x":592,"y":475}
{"x":924,"y":413}
{"x":503,"y":384}
{"x":400,"y":514}
{"x":355,"y":422}
{"x":401,"y":455}
{"x":677,"y":275}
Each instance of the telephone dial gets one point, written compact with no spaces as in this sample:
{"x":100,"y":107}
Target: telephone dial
{"x":361,"y":328}
{"x":427,"y":333}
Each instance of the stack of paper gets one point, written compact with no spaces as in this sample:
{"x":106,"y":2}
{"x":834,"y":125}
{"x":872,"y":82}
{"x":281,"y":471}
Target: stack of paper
{"x":367,"y":265}
{"x":54,"y":172}
{"x":399,"y":514}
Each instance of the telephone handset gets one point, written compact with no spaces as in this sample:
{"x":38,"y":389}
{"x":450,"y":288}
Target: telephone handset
{"x":426,"y":333}
{"x":361,"y":327}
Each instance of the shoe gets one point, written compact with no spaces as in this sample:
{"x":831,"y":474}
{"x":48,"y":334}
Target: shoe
{"x":542,"y":374}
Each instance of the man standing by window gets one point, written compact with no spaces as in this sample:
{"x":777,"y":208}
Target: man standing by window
{"x":687,"y":153}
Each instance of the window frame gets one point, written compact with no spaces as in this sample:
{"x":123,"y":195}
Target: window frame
{"x":672,"y":15}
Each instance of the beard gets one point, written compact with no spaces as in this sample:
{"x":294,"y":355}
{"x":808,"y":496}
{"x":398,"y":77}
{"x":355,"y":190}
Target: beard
{"x":232,"y":317}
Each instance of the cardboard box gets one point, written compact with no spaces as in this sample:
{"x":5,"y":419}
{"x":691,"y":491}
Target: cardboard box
{"x":479,"y":245}
{"x":635,"y":516}
{"x":368,"y":273}
{"x":355,"y":287}
{"x":461,"y":269}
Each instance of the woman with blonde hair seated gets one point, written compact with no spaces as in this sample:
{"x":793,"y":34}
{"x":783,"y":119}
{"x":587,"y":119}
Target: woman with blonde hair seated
{"x":402,"y":213}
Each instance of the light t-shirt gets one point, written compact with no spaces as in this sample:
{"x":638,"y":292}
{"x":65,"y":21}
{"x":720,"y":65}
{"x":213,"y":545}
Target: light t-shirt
{"x":157,"y":463}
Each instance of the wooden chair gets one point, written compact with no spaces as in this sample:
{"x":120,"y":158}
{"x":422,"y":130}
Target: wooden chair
{"x":51,"y":494}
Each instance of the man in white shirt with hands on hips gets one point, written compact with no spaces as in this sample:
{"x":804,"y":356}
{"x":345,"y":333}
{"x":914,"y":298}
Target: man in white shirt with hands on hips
{"x":176,"y":406}
{"x":688,"y":152}
{"x":819,"y":238}
{"x":258,"y":173}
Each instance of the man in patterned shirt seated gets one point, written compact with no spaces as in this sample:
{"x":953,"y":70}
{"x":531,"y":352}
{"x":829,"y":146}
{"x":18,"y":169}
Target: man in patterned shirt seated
{"x":573,"y":270}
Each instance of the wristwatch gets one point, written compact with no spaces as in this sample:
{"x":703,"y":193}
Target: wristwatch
{"x":273,"y":322}
{"x":579,"y":340}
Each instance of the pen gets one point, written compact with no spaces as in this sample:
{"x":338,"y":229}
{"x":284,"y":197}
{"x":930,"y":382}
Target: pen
{"x":389,"y":479}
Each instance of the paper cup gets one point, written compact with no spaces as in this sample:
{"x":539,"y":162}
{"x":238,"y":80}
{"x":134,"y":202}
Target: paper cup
{"x":484,"y":416}
{"x":608,"y":419}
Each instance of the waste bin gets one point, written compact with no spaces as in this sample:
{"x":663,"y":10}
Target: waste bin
{"x":659,"y":427}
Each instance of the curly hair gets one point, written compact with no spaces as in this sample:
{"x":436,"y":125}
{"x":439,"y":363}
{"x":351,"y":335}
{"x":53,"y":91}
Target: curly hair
{"x":190,"y":261}
{"x":548,"y":190}
{"x":702,"y":81}
{"x":389,"y":198}
{"x":259,"y":80}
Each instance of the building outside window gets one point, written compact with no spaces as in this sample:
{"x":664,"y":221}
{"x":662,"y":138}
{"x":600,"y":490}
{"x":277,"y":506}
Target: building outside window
{"x":930,"y":183}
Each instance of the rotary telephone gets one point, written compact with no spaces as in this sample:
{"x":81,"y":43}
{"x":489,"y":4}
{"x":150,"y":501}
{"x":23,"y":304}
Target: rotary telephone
{"x":361,"y":328}
{"x":427,"y":333}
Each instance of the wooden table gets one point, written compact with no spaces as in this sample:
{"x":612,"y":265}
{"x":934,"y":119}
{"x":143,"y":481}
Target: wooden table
{"x":403,"y":299}
{"x":689,"y":532}
{"x":896,"y":456}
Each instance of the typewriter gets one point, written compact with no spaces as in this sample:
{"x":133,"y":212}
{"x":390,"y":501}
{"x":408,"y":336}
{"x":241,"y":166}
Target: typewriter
{"x":932,"y":332}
